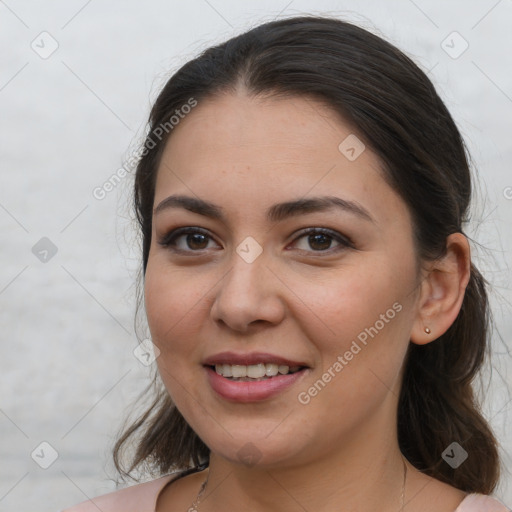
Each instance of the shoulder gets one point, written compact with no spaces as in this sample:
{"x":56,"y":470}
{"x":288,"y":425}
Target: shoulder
{"x":136,"y":498}
{"x":481,"y":503}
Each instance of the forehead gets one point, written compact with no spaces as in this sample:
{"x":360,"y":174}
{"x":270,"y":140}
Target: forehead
{"x":257,"y":151}
{"x":291,"y":125}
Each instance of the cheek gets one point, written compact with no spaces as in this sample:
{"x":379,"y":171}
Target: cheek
{"x":382,"y":317}
{"x":172,"y":302}
{"x":354,"y":300}
{"x":361,"y":340}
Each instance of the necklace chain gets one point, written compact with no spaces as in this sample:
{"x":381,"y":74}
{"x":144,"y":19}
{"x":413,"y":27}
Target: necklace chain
{"x":195,"y":504}
{"x":403,"y":485}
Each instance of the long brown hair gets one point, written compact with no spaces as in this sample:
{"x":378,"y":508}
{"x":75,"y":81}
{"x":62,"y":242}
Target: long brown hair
{"x":398,"y":114}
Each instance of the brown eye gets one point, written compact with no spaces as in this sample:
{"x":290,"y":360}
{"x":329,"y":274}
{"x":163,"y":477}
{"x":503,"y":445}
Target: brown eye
{"x":196,"y":241}
{"x":321,"y":239}
{"x":186,"y":240}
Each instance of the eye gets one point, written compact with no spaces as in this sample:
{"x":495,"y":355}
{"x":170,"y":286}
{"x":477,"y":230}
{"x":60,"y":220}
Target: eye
{"x":320,"y":240}
{"x":195,"y":239}
{"x":189,"y":239}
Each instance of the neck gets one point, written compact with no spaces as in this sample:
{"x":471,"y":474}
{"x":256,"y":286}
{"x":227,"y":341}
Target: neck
{"x":366,"y":475}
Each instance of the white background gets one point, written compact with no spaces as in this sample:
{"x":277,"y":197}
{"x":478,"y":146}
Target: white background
{"x":67,"y":371}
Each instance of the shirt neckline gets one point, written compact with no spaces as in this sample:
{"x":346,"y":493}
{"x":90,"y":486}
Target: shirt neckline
{"x":169,"y":479}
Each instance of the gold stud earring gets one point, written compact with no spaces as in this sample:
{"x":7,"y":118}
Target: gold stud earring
{"x":427,"y":330}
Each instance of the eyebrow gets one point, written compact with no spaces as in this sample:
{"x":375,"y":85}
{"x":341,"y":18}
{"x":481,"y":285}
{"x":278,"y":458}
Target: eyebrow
{"x":275,"y":213}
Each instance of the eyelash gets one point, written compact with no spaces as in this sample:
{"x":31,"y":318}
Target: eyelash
{"x":169,"y":240}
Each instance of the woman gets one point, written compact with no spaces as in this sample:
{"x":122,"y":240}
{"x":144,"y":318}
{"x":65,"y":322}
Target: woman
{"x":309,"y":290}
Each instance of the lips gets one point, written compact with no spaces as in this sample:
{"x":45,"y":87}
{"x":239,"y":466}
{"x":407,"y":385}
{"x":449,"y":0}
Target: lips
{"x":252,"y":390}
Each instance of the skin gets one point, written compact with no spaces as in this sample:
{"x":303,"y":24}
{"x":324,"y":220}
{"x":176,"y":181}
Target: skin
{"x":245,"y":154}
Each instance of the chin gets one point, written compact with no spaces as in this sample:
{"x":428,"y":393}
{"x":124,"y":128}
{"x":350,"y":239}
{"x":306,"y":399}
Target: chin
{"x":256,"y":451}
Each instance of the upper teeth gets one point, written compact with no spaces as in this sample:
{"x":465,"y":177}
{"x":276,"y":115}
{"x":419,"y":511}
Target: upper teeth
{"x":254,"y":371}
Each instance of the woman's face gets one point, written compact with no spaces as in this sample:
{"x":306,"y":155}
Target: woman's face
{"x":249,"y":288}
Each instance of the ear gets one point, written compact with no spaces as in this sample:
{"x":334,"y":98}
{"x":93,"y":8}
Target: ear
{"x":442,"y":291}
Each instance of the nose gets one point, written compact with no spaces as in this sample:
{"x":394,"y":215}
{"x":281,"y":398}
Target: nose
{"x":248,"y":295}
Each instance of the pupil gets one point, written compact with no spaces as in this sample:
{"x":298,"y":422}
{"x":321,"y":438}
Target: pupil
{"x":318,"y":238}
{"x":194,"y":239}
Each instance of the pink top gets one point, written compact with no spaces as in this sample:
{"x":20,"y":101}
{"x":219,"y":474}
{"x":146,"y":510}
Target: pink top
{"x":143,"y":498}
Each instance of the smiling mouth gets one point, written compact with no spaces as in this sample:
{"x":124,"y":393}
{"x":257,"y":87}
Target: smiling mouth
{"x":254,"y":372}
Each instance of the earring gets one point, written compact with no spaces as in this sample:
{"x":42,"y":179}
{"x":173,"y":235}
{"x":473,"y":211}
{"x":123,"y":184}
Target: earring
{"x":427,"y":330}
